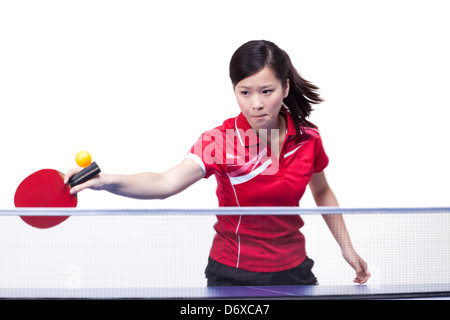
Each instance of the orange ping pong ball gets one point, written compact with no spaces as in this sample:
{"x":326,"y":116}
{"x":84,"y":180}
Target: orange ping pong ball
{"x":83,"y":159}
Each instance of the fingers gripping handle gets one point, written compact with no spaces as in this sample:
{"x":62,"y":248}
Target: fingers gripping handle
{"x":84,"y":175}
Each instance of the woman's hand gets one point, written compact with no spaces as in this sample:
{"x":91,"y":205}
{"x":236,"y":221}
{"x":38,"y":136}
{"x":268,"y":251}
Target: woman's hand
{"x":357,"y":263}
{"x":96,"y":183}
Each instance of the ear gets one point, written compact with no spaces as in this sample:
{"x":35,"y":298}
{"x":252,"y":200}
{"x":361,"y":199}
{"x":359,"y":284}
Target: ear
{"x":286,"y":89}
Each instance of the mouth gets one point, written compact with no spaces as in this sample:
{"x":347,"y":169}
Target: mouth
{"x":261,"y":116}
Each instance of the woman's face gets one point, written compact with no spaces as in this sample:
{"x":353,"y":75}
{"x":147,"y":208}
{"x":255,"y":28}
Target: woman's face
{"x":260,"y":98}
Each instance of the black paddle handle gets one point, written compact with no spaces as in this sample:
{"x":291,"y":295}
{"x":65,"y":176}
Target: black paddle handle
{"x":84,"y":175}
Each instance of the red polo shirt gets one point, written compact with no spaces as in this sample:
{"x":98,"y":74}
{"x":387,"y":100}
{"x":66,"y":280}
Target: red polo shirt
{"x":248,"y":173}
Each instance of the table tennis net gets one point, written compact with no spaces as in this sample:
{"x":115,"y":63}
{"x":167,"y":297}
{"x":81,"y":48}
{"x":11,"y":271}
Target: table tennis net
{"x":124,"y":249}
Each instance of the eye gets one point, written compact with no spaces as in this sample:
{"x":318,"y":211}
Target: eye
{"x":245,"y":93}
{"x":267,"y":91}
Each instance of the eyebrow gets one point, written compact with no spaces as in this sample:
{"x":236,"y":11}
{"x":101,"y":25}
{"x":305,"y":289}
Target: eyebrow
{"x":263,"y":87}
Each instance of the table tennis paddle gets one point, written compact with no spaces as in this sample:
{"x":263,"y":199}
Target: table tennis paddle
{"x":46,"y":189}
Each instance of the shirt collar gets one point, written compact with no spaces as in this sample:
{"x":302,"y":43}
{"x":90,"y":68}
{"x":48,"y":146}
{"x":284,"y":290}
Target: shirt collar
{"x":248,"y":137}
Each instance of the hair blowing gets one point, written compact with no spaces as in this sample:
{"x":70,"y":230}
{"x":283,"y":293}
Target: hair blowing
{"x":253,"y":56}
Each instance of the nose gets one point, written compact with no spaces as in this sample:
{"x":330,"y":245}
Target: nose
{"x":257,"y":103}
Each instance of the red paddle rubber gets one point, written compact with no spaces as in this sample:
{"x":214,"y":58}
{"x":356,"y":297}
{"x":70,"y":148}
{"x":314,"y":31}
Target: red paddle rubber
{"x":46,"y":189}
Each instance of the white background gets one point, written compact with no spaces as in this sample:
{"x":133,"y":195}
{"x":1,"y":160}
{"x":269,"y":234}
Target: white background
{"x":136,"y":82}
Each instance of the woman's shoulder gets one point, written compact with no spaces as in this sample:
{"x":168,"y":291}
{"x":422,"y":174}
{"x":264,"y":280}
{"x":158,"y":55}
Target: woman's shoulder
{"x":309,"y":133}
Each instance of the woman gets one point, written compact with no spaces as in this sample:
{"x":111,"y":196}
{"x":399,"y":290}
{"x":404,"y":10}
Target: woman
{"x":266,"y":156}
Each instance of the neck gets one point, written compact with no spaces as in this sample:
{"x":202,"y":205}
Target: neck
{"x":274,"y":138}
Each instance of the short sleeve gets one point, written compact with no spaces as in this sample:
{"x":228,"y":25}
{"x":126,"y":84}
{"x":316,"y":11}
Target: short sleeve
{"x":208,"y":152}
{"x":321,"y":158}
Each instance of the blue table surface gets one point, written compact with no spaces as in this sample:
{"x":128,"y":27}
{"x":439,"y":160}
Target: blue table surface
{"x":265,"y":292}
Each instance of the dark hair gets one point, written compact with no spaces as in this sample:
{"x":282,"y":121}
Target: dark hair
{"x":253,"y":56}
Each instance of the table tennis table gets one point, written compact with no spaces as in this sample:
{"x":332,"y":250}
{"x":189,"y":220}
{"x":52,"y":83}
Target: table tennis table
{"x":318,"y":292}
